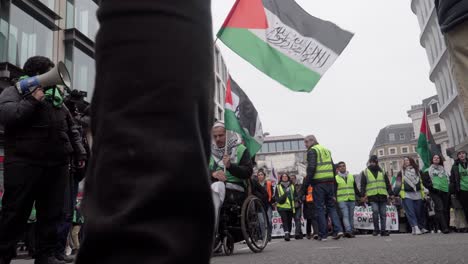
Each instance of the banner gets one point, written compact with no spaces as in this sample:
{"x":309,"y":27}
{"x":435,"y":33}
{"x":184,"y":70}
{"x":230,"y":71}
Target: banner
{"x":363,"y":218}
{"x":278,"y":226}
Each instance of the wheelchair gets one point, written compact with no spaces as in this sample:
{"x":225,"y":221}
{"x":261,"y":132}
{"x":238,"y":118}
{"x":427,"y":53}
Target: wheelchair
{"x":243,"y":217}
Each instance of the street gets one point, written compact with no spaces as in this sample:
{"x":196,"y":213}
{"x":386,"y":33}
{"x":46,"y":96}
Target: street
{"x":398,"y":248}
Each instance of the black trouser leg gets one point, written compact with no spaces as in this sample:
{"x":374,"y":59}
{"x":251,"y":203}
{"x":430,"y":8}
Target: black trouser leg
{"x":439,"y":203}
{"x":464,"y":202}
{"x":152,"y":116}
{"x":19,"y":183}
{"x":49,"y":205}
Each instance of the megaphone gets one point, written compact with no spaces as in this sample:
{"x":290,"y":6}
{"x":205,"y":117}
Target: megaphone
{"x":57,"y":76}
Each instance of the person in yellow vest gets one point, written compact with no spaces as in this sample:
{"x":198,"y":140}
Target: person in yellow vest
{"x":285,"y":196}
{"x":310,"y":213}
{"x":228,"y":171}
{"x":346,"y":193}
{"x":321,"y":176}
{"x":436,"y":180}
{"x":375,"y":189}
{"x":411,"y":191}
{"x":459,"y":180}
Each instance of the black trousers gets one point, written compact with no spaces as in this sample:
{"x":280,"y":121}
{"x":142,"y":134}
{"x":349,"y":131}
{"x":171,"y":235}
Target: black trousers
{"x":287,"y":218}
{"x":152,"y":113}
{"x":442,"y":209}
{"x":463,"y":197}
{"x":24,"y":184}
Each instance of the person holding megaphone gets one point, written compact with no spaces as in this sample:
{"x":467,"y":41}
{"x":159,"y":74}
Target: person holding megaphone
{"x":40,"y":140}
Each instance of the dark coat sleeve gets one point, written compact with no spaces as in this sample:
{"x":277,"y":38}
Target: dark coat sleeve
{"x":363,"y":184}
{"x":311,"y":166}
{"x":427,"y":183}
{"x":455,"y":179}
{"x":75,"y":137}
{"x":14,"y":109}
{"x":244,"y":169}
{"x":388,"y":185}
{"x":280,"y":199}
{"x":356,"y":190}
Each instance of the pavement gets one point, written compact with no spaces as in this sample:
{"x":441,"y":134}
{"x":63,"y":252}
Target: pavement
{"x":395,"y":249}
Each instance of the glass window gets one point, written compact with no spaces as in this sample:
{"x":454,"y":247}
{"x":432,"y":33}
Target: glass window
{"x":404,"y":150}
{"x":49,"y":3}
{"x":3,"y":30}
{"x":27,"y":38}
{"x":264,"y":148}
{"x":413,"y":136}
{"x":272,"y":147}
{"x":287,"y":145}
{"x":82,"y":16}
{"x":391,"y":137}
{"x":434,"y":108}
{"x":381,"y":152}
{"x":437,"y":128}
{"x":402,"y":136}
{"x":279,"y":146}
{"x":82,"y":70}
{"x":392,"y":151}
{"x":294,"y":145}
{"x":301,"y":144}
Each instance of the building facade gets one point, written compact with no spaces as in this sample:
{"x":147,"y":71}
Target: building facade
{"x":221,"y":77}
{"x":392,"y":144}
{"x":441,"y":74}
{"x":436,"y":124}
{"x":284,"y":154}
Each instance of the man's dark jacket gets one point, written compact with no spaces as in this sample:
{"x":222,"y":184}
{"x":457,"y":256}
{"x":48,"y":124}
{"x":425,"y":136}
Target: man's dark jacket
{"x":451,"y":13}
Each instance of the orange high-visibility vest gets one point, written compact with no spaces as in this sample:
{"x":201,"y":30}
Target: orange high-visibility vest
{"x":269,"y":190}
{"x":309,"y":197}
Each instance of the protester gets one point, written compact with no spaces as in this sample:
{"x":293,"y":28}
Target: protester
{"x":375,"y":189}
{"x":39,"y":138}
{"x":268,"y":186}
{"x":297,"y":208}
{"x":411,"y":192}
{"x":151,"y":128}
{"x":230,"y":166}
{"x":453,"y":21}
{"x":310,"y":213}
{"x":347,"y":191}
{"x":459,"y":181}
{"x":436,"y":180}
{"x":285,"y":197}
{"x":320,"y":174}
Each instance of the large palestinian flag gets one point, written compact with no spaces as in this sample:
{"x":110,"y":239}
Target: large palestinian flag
{"x":426,"y":145}
{"x":241,"y":117}
{"x":282,"y":40}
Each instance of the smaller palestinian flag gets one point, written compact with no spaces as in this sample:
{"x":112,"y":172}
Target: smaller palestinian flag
{"x":241,"y":117}
{"x":426,"y":144}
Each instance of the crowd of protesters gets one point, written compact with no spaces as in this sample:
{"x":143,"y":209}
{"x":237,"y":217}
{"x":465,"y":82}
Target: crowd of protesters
{"x":430,"y":201}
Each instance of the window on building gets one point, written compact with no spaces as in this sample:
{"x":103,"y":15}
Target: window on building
{"x":294,"y":145}
{"x":301,"y":144}
{"x":391,"y":137}
{"x":81,"y":14}
{"x":82,"y":71}
{"x":49,"y":3}
{"x":402,"y":136}
{"x":404,"y":150}
{"x":264,"y":148}
{"x":413,"y":135}
{"x":3,"y":30}
{"x":434,"y":108}
{"x":381,"y":152}
{"x":287,"y":145}
{"x":437,"y":128}
{"x":392,"y":151}
{"x":279,"y":146}
{"x":271,"y":147}
{"x":414,"y":148}
{"x":27,"y":38}
{"x":428,"y":111}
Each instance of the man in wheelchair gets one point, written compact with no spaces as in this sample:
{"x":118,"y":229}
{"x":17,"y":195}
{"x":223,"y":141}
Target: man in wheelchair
{"x":230,"y":168}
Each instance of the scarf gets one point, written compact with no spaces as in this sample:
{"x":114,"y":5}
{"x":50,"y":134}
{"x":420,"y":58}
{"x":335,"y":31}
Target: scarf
{"x":56,"y":99}
{"x":218,"y":152}
{"x":437,"y":171}
{"x":344,"y":175}
{"x":411,"y":177}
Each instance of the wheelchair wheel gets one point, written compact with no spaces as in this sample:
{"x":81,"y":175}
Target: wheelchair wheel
{"x":228,"y":245}
{"x":254,"y":224}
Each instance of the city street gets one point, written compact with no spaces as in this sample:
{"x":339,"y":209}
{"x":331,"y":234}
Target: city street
{"x":398,"y":248}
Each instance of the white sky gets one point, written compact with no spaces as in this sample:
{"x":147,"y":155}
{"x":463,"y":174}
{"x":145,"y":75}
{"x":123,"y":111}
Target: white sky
{"x":382,"y":72}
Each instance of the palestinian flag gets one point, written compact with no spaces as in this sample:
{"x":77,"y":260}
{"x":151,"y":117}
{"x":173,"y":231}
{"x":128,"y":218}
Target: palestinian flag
{"x":426,"y":144}
{"x":241,"y":117}
{"x":282,"y":40}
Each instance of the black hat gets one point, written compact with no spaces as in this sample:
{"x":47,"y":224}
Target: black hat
{"x":373,"y":158}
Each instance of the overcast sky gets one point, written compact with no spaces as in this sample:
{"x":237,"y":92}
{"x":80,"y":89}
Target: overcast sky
{"x":382,"y":72}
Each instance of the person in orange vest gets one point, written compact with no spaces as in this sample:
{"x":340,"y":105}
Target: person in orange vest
{"x":267,"y":184}
{"x":309,"y":213}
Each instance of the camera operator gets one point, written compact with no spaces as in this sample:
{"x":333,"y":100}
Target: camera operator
{"x":40,"y":138}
